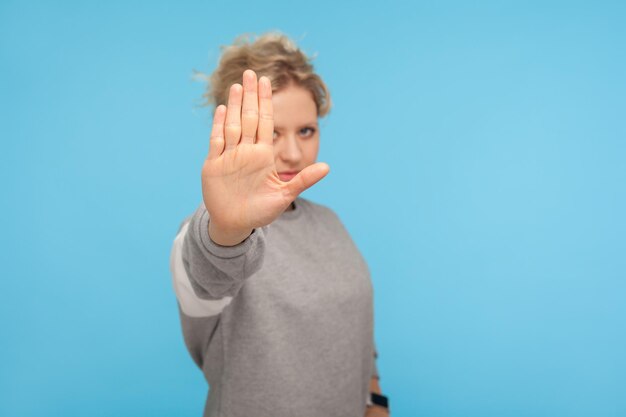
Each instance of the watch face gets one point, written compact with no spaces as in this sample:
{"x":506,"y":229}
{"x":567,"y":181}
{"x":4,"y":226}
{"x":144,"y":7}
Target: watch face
{"x":380,"y":400}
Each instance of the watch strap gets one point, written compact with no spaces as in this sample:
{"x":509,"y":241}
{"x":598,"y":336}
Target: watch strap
{"x":379,"y":399}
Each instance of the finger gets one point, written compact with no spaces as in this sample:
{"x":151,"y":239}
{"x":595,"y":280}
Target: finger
{"x":305,"y":179}
{"x":250,"y":110}
{"x":265,"y":133}
{"x":216,"y":143}
{"x":232,"y":128}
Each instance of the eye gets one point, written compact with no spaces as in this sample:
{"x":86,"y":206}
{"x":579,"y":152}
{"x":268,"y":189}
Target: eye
{"x":304,"y":129}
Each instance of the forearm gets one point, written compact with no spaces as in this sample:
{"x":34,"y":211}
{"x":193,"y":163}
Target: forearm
{"x":213,"y":270}
{"x":374,"y":386}
{"x":375,"y":410}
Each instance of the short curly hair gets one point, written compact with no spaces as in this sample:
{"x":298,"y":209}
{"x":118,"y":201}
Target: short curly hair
{"x":273,"y":55}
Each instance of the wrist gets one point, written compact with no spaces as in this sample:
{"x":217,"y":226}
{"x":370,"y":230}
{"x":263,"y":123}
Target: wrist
{"x":225,"y":236}
{"x":378,"y":402}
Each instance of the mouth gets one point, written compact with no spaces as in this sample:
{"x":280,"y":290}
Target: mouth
{"x":287,"y":175}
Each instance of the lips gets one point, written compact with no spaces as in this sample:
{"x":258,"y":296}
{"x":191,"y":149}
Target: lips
{"x":287,"y":175}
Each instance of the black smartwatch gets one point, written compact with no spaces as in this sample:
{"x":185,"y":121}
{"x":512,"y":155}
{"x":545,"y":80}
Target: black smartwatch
{"x":379,"y":400}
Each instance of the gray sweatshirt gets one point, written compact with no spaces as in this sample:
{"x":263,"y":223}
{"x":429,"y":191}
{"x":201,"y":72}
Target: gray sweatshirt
{"x":281,"y":324}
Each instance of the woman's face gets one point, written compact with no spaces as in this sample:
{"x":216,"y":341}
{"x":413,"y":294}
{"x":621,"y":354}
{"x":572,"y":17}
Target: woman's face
{"x":296,"y":132}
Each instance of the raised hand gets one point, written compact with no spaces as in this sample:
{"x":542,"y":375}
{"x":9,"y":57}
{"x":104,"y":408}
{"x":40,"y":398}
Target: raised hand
{"x":240,"y":186}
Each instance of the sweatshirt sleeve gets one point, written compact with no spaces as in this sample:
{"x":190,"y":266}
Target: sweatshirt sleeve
{"x":375,"y":373}
{"x":208,"y":275}
{"x":197,"y":334}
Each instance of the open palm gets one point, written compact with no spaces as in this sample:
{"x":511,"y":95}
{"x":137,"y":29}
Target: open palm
{"x":241,"y":188}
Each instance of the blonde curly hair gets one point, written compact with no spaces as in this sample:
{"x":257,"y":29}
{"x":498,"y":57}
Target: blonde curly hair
{"x":273,"y":55}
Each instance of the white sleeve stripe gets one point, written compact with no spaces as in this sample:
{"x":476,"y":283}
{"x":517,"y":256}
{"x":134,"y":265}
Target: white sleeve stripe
{"x":190,"y":303}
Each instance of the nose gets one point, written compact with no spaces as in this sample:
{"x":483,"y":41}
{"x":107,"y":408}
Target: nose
{"x":289,"y":150}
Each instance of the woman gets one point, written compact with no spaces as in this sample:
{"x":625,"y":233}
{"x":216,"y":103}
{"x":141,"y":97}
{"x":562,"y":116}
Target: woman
{"x":274,"y":297}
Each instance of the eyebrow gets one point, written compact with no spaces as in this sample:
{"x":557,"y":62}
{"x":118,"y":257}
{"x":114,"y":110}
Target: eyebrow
{"x":303,"y":125}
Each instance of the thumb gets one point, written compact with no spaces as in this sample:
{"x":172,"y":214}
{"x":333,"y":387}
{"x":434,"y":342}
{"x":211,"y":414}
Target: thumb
{"x":306,"y":178}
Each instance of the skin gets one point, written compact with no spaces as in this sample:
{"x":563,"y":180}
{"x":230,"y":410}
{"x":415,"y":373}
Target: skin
{"x":375,"y":410}
{"x":296,"y":131}
{"x":255,"y":137}
{"x":241,"y":187}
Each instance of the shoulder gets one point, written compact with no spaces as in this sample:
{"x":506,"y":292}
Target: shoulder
{"x":329,"y":223}
{"x":318,"y":210}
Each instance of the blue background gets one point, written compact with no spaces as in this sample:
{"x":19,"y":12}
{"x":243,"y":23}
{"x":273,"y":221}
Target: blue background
{"x":477,"y":157}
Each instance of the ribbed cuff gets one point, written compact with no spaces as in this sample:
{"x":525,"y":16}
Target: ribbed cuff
{"x":225,"y":252}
